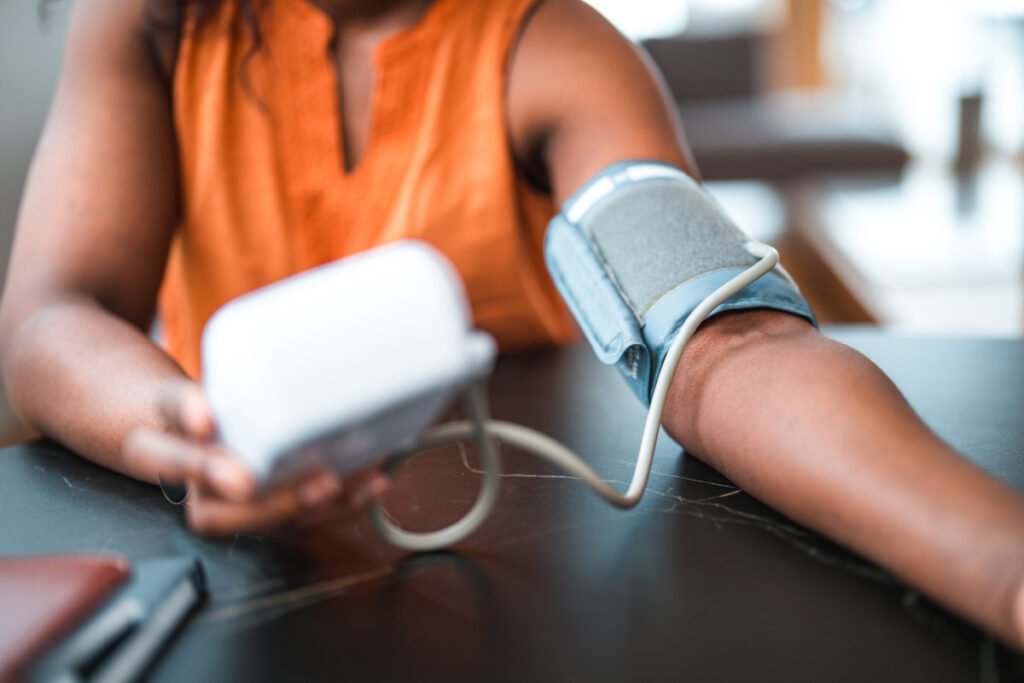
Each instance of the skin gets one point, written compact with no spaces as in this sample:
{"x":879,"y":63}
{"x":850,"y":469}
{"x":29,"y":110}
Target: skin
{"x":803,"y":423}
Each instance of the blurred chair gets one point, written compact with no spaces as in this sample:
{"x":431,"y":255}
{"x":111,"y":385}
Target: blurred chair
{"x":738,"y":131}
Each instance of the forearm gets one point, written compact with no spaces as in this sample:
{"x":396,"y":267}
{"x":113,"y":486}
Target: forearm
{"x":817,"y":431}
{"x":86,"y":378}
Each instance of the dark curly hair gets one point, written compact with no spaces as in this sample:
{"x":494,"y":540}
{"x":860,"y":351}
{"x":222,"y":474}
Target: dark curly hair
{"x":165,"y":19}
{"x":164,"y":15}
{"x":170,"y":14}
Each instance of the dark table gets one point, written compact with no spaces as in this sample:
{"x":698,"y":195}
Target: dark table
{"x":700,"y":582}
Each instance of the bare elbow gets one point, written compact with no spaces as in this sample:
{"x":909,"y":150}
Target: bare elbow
{"x":17,"y":331}
{"x":28,"y":324}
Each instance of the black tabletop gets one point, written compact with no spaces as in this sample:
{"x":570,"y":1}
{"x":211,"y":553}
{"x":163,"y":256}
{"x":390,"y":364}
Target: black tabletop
{"x":699,"y":582}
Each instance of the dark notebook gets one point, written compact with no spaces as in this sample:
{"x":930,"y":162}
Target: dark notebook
{"x":106,"y":630}
{"x":43,"y":598}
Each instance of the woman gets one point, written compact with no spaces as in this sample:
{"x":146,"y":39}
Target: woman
{"x":284,"y":133}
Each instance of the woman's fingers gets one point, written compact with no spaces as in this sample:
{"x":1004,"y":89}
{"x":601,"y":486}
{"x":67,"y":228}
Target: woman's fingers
{"x":223,"y":496}
{"x":225,"y":475}
{"x":319,"y":489}
{"x":365,"y":486}
{"x":186,"y":411}
{"x":173,"y":459}
{"x":163,"y":457}
{"x":361,"y":489}
{"x":210,"y":515}
{"x":320,"y":498}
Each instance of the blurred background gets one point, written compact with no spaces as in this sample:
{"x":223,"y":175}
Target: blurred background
{"x":877,"y":143}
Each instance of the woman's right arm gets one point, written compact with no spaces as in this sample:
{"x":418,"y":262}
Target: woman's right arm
{"x":93,"y":233}
{"x":95,"y":227}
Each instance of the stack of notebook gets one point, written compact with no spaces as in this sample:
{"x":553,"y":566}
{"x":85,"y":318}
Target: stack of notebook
{"x":90,"y":617}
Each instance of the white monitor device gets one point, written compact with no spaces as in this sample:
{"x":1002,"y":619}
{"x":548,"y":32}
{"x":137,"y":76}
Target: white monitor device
{"x":352,"y":362}
{"x":343,"y":364}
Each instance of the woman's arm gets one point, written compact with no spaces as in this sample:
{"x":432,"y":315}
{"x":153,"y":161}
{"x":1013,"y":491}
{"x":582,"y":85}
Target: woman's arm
{"x":803,"y":423}
{"x":96,"y":222}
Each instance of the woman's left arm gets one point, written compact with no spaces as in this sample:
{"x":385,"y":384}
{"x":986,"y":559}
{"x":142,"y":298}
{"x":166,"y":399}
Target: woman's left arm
{"x":807,"y":425}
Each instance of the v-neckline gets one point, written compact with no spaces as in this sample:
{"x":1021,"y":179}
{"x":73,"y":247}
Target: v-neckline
{"x":384,"y":56}
{"x":327,"y":201}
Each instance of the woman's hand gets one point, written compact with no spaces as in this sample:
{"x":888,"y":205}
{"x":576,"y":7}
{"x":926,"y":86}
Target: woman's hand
{"x":222,"y":497}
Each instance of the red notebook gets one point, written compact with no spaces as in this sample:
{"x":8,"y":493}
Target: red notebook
{"x":42,"y":598}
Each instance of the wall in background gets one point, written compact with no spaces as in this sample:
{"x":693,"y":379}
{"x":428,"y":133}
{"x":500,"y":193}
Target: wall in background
{"x":30,"y":57}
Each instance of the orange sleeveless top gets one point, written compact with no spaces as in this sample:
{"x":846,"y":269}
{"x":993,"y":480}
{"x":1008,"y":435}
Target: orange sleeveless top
{"x":264,"y":188}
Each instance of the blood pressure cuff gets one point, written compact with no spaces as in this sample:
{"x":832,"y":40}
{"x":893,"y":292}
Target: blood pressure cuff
{"x":636,"y":249}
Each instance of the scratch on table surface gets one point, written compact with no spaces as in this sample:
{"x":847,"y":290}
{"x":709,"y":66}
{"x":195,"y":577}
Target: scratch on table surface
{"x":655,"y":472}
{"x":294,"y":598}
{"x":704,"y":508}
{"x":795,"y":536}
{"x":524,"y":475}
{"x":70,"y":485}
{"x":616,"y":482}
{"x":717,"y":496}
{"x":527,"y":475}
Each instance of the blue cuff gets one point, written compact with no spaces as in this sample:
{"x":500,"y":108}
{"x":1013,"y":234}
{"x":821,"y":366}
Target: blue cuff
{"x":616,"y":333}
{"x":668,"y":315}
